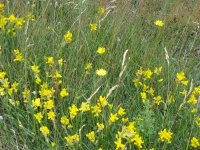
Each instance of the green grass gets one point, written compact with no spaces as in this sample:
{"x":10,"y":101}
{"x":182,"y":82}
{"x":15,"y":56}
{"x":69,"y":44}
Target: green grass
{"x":125,"y":25}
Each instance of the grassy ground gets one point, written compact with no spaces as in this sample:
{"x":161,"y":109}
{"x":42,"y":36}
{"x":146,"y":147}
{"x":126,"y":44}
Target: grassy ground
{"x":53,"y":95}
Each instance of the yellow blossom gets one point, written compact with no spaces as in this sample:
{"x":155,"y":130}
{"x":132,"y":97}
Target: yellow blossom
{"x":121,"y":111}
{"x":35,"y":69}
{"x":137,"y":140}
{"x":36,"y":102}
{"x":148,"y":73}
{"x":26,"y":95}
{"x":38,"y":80}
{"x":57,"y":75}
{"x":102,"y":101}
{"x":91,"y":136}
{"x":44,"y":130}
{"x":64,"y":93}
{"x":101,"y":72}
{"x":49,"y":104}
{"x":192,"y":100}
{"x":68,"y":37}
{"x":73,"y":111}
{"x":84,"y":107}
{"x":88,"y":66}
{"x":101,"y":50}
{"x":158,"y":70}
{"x":96,"y":110}
{"x":143,"y":96}
{"x":157,"y":100}
{"x":93,"y":26}
{"x":159,"y":23}
{"x":181,"y":78}
{"x":12,"y":18}
{"x":119,"y":144}
{"x":71,"y":140}
{"x":18,"y":55}
{"x":64,"y":120}
{"x":101,"y":10}
{"x":197,"y":121}
{"x":194,"y":110}
{"x":2,"y":75}
{"x":100,"y":126}
{"x":3,"y":22}
{"x":51,"y":115}
{"x":195,"y":142}
{"x":19,"y":23}
{"x":38,"y":117}
{"x":113,"y":118}
{"x":50,"y":60}
{"x":165,"y":136}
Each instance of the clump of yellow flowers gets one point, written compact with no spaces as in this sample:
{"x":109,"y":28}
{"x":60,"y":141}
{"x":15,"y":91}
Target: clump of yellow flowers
{"x":165,"y":136}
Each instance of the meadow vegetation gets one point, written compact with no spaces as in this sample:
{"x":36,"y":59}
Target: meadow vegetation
{"x":99,"y":75}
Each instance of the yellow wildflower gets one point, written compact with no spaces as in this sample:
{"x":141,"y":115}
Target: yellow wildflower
{"x":50,"y":60}
{"x":158,"y":70}
{"x":44,"y":130}
{"x":3,"y":22}
{"x":195,"y":142}
{"x":113,"y":118}
{"x":38,"y":80}
{"x":100,"y":126}
{"x":18,"y":55}
{"x":36,"y":102}
{"x":19,"y":23}
{"x":102,"y":101}
{"x":93,"y":26}
{"x":121,"y":111}
{"x":68,"y":37}
{"x":35,"y":69}
{"x":148,"y":73}
{"x":12,"y":18}
{"x":159,"y":23}
{"x":38,"y":117}
{"x":91,"y":136}
{"x":143,"y":96}
{"x":197,"y":121}
{"x":194,"y":110}
{"x":84,"y":107}
{"x":49,"y":104}
{"x":101,"y":50}
{"x":181,"y":78}
{"x":96,"y":110}
{"x":71,"y":140}
{"x":119,"y":144}
{"x":51,"y":115}
{"x":165,"y":136}
{"x":2,"y":75}
{"x":101,"y":10}
{"x":64,"y":120}
{"x":57,"y":75}
{"x":73,"y":111}
{"x":64,"y":93}
{"x":101,"y":72}
{"x":88,"y":66}
{"x":157,"y":100}
{"x":192,"y":100}
{"x":137,"y":141}
{"x":26,"y":95}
